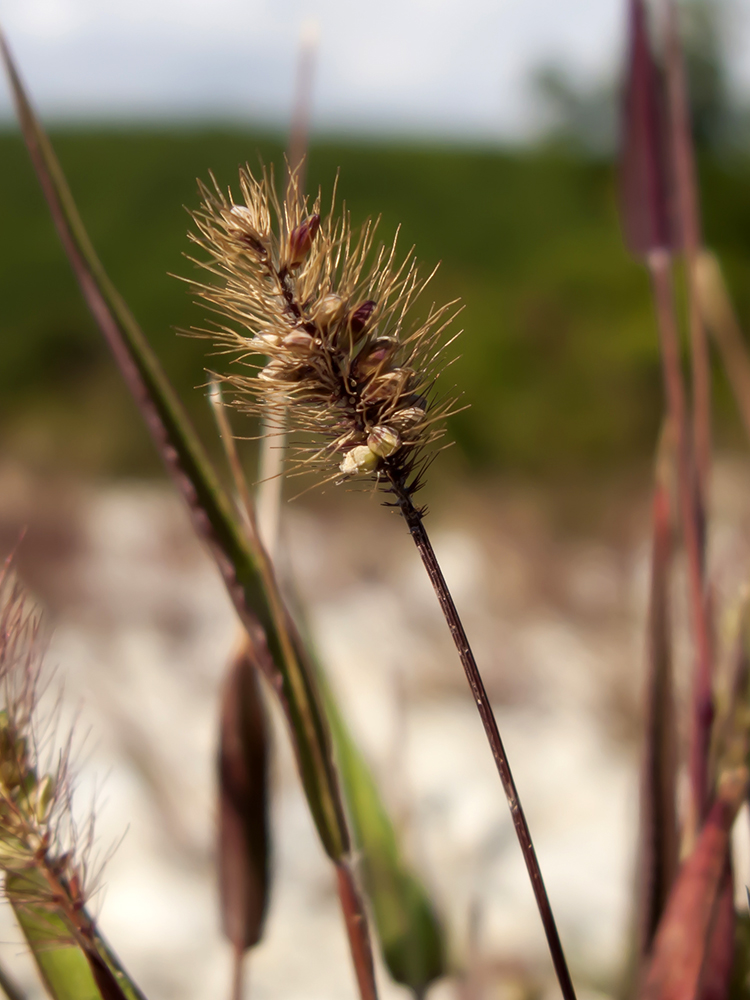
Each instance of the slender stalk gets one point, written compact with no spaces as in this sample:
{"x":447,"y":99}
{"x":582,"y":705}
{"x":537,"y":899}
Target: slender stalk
{"x":702,"y":701}
{"x":238,"y":974}
{"x":355,"y":918}
{"x":413,"y":518}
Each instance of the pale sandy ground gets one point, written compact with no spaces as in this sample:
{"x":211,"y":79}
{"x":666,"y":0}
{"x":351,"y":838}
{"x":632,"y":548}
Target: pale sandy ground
{"x":142,"y":632}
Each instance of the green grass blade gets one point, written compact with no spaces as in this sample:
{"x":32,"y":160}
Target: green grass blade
{"x":69,"y":970}
{"x":410,"y":933}
{"x":250,"y":584}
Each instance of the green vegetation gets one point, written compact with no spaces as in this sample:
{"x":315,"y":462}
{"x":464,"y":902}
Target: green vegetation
{"x":559,"y":359}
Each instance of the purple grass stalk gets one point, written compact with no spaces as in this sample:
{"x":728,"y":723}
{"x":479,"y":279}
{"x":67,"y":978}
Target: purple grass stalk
{"x":659,"y":842}
{"x":688,"y":211}
{"x":686,"y":932}
{"x":646,"y":225}
{"x":659,"y":263}
{"x":413,"y":518}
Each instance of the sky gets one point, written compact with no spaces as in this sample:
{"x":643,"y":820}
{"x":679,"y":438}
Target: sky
{"x":457,"y":68}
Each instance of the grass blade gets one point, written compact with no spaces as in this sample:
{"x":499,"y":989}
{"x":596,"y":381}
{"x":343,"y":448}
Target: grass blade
{"x":74,"y":962}
{"x":247,"y":573}
{"x":61,"y":963}
{"x":190,"y":468}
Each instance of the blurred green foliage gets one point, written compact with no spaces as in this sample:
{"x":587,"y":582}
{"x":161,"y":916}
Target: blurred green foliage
{"x":559,"y":358}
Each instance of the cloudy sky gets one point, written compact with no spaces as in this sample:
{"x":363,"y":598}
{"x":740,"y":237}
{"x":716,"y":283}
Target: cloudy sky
{"x":445,"y":67}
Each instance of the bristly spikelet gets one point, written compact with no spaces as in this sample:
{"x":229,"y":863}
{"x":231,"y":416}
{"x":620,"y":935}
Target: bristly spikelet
{"x":40,"y":853}
{"x":340,"y":357}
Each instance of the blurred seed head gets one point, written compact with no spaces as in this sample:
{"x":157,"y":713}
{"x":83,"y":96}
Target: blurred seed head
{"x":322,"y":324}
{"x":40,"y":845}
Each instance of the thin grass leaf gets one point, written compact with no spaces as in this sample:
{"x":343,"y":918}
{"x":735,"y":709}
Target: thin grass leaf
{"x":64,"y":969}
{"x":659,"y":848}
{"x":243,"y":811}
{"x":644,"y":204}
{"x":246,"y":570}
{"x":685,"y":933}
{"x":72,"y":967}
{"x":213,"y":518}
{"x":411,"y":937}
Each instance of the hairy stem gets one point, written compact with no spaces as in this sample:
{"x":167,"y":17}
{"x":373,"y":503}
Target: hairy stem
{"x":413,"y":518}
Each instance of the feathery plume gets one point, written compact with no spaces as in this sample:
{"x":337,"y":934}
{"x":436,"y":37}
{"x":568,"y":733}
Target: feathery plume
{"x":330,"y":314}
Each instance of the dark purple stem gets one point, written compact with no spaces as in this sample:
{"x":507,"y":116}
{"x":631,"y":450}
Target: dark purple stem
{"x":413,"y":519}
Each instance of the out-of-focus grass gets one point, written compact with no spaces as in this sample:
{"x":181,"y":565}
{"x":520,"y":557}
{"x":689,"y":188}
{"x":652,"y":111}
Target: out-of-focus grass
{"x":559,"y":359}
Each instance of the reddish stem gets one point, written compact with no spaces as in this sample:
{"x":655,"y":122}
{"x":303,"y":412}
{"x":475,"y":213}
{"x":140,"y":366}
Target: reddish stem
{"x":356,"y":928}
{"x":413,"y":519}
{"x":702,"y":704}
{"x":659,"y":846}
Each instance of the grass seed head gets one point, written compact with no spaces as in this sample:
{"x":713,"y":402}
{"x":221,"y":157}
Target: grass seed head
{"x":325,"y":319}
{"x":42,"y":855}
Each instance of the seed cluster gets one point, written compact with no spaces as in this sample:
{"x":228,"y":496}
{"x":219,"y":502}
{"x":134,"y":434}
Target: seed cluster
{"x":341,"y":358}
